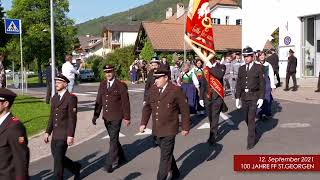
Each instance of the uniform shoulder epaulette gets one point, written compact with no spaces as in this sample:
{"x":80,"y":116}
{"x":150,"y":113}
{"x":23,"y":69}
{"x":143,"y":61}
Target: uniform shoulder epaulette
{"x":15,"y":120}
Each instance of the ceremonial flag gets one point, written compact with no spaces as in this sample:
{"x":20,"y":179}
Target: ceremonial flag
{"x":199,"y":29}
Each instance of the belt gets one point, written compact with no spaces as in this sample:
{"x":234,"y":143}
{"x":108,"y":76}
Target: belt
{"x":250,"y":90}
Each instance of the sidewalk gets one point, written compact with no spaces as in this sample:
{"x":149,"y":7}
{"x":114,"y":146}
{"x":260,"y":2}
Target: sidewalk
{"x":303,"y":95}
{"x":84,"y":131}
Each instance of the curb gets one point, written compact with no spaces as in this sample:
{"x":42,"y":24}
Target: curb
{"x":80,"y":142}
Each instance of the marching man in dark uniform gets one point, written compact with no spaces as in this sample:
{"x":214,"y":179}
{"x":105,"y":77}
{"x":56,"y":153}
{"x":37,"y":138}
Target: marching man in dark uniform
{"x":62,"y":126}
{"x":14,"y":151}
{"x":291,"y":71}
{"x":163,"y":103}
{"x":212,"y":95}
{"x":250,"y":89}
{"x":113,"y":99}
{"x":274,"y":61}
{"x":155,"y":64}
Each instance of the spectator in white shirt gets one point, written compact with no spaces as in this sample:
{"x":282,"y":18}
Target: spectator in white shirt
{"x":69,"y":71}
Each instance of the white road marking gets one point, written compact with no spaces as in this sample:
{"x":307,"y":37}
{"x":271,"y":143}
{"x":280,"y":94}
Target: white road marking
{"x":120,"y":135}
{"x":295,"y":125}
{"x":204,"y":126}
{"x":223,"y":116}
{"x":146,"y":132}
{"x":81,"y":94}
{"x":92,"y":92}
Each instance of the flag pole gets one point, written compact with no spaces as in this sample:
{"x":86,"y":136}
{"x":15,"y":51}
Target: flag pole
{"x":53,"y":60}
{"x":21,"y":56}
{"x":184,"y":32}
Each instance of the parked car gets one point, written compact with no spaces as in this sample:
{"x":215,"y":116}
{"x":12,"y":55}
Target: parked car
{"x":86,"y":75}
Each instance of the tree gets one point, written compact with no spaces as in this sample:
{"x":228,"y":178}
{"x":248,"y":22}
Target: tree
{"x":3,"y":37}
{"x":121,"y":59}
{"x":147,"y":51}
{"x":35,"y":17}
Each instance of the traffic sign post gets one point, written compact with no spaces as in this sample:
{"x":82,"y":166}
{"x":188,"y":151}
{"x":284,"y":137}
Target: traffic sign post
{"x":14,"y":27}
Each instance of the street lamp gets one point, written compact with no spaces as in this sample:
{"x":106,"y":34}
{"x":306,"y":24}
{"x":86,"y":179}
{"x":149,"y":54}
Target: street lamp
{"x":53,"y":62}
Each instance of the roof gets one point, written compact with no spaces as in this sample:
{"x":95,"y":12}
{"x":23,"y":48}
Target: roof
{"x":85,"y":41}
{"x":268,"y":45}
{"x":121,"y":28}
{"x":214,"y":3}
{"x":169,"y":36}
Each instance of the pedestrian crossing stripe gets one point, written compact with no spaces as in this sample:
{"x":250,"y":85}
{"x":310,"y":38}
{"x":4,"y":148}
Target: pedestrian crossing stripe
{"x":146,"y":132}
{"x":108,"y":137}
{"x":204,"y":126}
{"x":13,"y":28}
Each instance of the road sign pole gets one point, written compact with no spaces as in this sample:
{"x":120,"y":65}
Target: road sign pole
{"x":21,"y":56}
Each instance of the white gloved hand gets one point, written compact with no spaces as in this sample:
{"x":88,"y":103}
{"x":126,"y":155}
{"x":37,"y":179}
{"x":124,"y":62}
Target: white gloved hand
{"x":260,"y":103}
{"x":201,"y":102}
{"x":209,"y":64}
{"x":238,"y":104}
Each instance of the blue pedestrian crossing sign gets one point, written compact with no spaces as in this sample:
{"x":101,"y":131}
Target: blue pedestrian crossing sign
{"x":12,"y":26}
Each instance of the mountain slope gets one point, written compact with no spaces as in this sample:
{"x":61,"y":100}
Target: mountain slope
{"x":153,"y":11}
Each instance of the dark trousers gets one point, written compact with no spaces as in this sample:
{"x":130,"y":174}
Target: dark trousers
{"x":213,"y":110}
{"x":293,"y":75}
{"x":276,"y":73}
{"x":59,"y":149}
{"x":319,"y":82}
{"x":115,"y":149}
{"x":249,"y":108}
{"x":48,"y":96}
{"x":167,"y":161}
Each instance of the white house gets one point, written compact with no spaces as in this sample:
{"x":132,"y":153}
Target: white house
{"x":119,"y":36}
{"x":299,"y":29}
{"x":89,"y":46}
{"x":226,"y":12}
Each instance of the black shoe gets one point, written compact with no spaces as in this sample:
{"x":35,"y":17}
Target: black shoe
{"x":286,"y":89}
{"x":294,"y":89}
{"x":211,"y":142}
{"x":175,"y":175}
{"x":77,"y":174}
{"x":318,"y":90}
{"x":108,"y":169}
{"x":250,"y":146}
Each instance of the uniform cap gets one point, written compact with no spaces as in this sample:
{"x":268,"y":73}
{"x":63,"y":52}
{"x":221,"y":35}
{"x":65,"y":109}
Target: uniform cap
{"x":160,"y":73}
{"x":291,"y":51}
{"x":247,"y":51}
{"x":108,"y":68}
{"x":7,"y":95}
{"x":61,"y":77}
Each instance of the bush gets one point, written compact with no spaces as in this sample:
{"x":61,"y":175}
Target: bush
{"x":121,"y":59}
{"x":95,"y":62}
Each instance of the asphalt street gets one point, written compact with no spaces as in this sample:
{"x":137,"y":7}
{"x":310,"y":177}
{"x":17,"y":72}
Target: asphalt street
{"x":294,"y":129}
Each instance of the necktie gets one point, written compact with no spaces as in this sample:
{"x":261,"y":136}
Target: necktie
{"x":160,"y":91}
{"x":247,"y":68}
{"x":109,"y":84}
{"x":59,"y":97}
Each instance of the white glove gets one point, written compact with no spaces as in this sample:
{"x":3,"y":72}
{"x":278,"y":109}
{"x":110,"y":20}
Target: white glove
{"x":238,"y":104}
{"x":260,"y":103}
{"x":209,"y":64}
{"x":201,"y":102}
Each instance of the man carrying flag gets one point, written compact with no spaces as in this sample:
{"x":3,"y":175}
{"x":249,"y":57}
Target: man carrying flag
{"x":199,"y":36}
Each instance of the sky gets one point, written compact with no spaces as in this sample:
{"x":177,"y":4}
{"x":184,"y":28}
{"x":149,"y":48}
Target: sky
{"x":83,"y":10}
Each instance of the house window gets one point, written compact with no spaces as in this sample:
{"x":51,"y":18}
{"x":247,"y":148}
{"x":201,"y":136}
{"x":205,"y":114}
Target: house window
{"x":216,"y":21}
{"x":227,"y":20}
{"x":116,"y":37}
{"x":239,"y":22}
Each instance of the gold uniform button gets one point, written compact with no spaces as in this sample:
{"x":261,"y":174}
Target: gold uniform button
{"x":56,"y":125}
{"x":157,"y":119}
{"x":157,"y":114}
